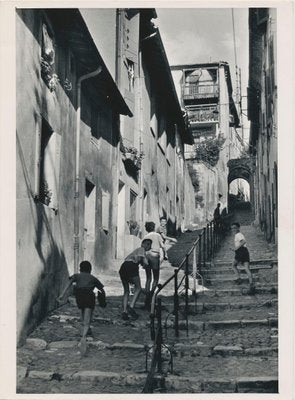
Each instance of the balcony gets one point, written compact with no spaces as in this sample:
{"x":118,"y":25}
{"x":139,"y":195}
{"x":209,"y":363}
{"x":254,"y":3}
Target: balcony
{"x":196,"y":92}
{"x":203,"y":115}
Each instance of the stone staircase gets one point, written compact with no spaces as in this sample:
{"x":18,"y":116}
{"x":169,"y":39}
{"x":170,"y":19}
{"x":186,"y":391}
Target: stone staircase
{"x":231,"y":347}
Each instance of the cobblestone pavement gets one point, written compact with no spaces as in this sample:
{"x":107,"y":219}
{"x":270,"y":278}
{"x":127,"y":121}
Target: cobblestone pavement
{"x":231,"y":345}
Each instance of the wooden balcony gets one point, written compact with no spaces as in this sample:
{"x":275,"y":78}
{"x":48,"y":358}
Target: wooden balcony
{"x":203,"y":115}
{"x":197,"y":92}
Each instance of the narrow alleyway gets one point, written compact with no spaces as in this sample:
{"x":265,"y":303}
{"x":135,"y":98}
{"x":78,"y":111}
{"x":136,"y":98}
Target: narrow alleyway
{"x":231,"y":347}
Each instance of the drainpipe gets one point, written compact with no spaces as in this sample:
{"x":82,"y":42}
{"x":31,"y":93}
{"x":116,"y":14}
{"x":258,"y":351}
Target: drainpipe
{"x":77,"y":166}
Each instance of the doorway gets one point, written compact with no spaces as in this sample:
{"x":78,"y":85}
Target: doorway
{"x":121,"y":220}
{"x":89,"y":220}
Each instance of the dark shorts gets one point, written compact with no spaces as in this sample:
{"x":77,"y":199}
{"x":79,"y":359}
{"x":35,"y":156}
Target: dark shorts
{"x":153,"y":259}
{"x":128,"y":271}
{"x":85,"y":298}
{"x":242,"y":255}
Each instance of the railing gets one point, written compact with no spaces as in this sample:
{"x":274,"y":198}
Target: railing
{"x":203,"y":114}
{"x":196,"y":91}
{"x":201,"y":252}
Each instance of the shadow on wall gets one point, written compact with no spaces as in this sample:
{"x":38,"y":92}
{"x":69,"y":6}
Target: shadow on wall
{"x":50,"y":258}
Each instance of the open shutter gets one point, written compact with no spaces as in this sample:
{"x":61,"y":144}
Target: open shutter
{"x":55,"y":196}
{"x":105,"y":214}
{"x":131,"y":36}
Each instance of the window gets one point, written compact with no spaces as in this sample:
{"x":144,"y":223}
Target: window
{"x":105,"y":213}
{"x":133,"y":197}
{"x":130,"y":71}
{"x":94,"y":121}
{"x":48,"y":165}
{"x":48,"y":52}
{"x":162,"y":135}
{"x":89,"y":211}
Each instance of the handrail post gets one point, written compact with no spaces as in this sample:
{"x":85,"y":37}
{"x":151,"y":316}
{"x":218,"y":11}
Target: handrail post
{"x":194,"y":270}
{"x":176,"y":304}
{"x":204,"y":247}
{"x":200,"y":250}
{"x":159,"y":336}
{"x":186,"y":293}
{"x":212,"y":247}
{"x":215,"y":238}
{"x":208,"y":241}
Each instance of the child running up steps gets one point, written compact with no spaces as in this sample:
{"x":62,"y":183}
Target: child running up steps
{"x":241,"y":255}
{"x":129,"y":274}
{"x":85,"y":283}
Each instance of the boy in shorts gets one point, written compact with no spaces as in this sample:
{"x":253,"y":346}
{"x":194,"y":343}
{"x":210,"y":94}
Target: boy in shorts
{"x":241,"y":255}
{"x":85,"y":297}
{"x":162,"y":230}
{"x":129,"y":274}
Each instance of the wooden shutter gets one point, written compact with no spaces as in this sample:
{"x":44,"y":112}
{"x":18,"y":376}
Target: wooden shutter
{"x":105,"y":212}
{"x":131,"y":36}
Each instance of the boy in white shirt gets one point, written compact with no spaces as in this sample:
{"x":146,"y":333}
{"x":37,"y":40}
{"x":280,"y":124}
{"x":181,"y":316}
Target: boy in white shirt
{"x":241,"y":255}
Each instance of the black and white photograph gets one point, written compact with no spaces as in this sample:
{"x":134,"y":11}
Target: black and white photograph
{"x":147,"y":206}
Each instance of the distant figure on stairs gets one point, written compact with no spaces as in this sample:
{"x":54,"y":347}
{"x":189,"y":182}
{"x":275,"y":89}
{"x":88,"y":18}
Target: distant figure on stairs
{"x":217,"y":217}
{"x":241,"y":255}
{"x":162,"y":230}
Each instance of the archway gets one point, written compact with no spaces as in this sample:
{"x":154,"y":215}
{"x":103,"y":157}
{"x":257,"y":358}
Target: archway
{"x":241,"y":176}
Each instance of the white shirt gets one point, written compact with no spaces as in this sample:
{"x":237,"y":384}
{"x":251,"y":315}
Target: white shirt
{"x":238,"y":238}
{"x":156,"y":239}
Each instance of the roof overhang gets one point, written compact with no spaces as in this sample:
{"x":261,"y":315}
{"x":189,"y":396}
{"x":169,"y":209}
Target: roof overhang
{"x":72,"y":28}
{"x":155,"y":50}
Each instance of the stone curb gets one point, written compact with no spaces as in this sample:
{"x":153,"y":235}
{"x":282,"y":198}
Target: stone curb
{"x":225,"y":270}
{"x":218,"y":385}
{"x":200,"y":349}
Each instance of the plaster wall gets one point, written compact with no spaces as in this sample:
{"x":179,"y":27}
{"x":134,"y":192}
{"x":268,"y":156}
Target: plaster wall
{"x":45,"y":234}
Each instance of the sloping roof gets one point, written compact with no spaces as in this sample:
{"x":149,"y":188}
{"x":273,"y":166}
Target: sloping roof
{"x":73,"y":30}
{"x":155,"y":50}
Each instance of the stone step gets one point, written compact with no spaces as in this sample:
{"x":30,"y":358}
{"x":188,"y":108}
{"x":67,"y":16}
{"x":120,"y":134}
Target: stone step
{"x":169,"y":384}
{"x":229,"y":270}
{"x":178,"y":349}
{"x":268,"y":262}
{"x":240,"y":291}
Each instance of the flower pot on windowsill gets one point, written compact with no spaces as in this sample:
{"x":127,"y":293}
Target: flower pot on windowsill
{"x":128,"y":156}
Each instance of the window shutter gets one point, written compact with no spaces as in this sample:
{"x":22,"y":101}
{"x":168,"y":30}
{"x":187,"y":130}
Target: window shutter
{"x":55,"y":194}
{"x":105,"y":215}
{"x":131,"y":37}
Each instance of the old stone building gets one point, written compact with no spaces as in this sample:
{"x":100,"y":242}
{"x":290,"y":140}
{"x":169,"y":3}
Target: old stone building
{"x":88,"y":179}
{"x":262,"y":112}
{"x":67,"y":147}
{"x":206,"y":96}
{"x":154,"y":180}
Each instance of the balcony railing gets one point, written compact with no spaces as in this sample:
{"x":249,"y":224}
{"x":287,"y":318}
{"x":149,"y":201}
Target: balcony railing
{"x":195,"y":91}
{"x":203,"y":115}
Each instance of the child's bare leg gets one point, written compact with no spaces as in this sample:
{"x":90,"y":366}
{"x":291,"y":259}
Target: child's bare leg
{"x":249,"y":274}
{"x":136,"y":281}
{"x":148,"y":279}
{"x":125,"y":295}
{"x":156,"y":276}
{"x":86,"y":321}
{"x":235,"y":268}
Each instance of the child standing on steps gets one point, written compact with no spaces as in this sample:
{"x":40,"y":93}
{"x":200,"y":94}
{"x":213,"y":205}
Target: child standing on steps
{"x":85,"y":283}
{"x":241,"y":255}
{"x":129,"y":274}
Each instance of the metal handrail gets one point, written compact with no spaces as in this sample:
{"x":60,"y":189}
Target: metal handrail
{"x":161,"y":286}
{"x":213,"y":243}
{"x":208,"y":242}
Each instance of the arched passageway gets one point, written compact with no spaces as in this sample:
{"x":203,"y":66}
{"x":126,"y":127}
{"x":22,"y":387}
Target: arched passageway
{"x":240,"y":182}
